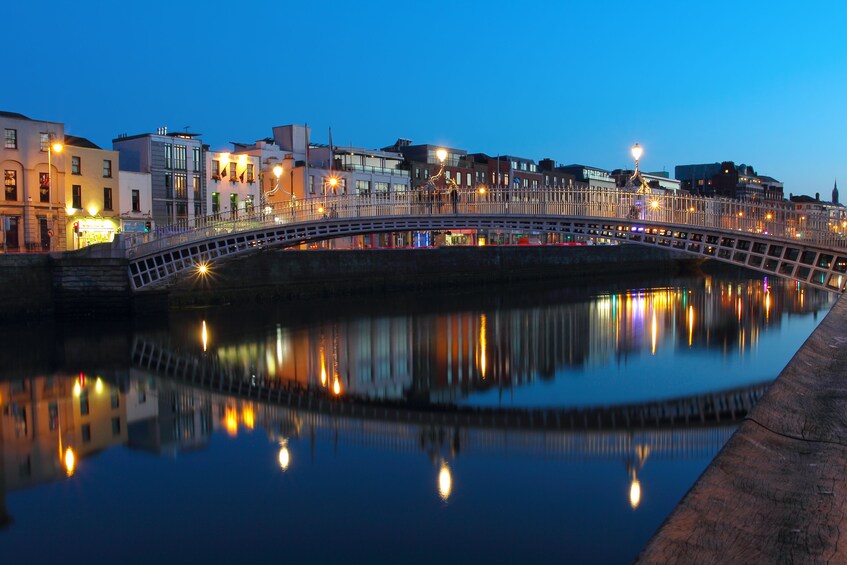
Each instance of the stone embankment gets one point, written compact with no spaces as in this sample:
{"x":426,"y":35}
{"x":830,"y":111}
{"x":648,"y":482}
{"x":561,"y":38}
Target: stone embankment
{"x":91,"y":284}
{"x":776,"y":493}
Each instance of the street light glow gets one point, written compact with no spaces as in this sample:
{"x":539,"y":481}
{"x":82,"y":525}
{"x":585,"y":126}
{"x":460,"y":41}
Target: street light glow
{"x":278,"y":171}
{"x":441,"y":154}
{"x":57,"y":147}
{"x":637,"y":151}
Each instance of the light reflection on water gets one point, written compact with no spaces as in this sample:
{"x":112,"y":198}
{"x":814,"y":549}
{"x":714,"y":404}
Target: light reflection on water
{"x":77,"y":443}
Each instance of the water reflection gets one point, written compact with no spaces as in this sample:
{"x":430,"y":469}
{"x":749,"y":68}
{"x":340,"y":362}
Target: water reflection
{"x":475,"y":346}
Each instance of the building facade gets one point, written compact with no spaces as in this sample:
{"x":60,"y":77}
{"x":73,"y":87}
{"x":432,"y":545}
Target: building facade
{"x":727,"y":180}
{"x":135,"y":202}
{"x":233,"y":184}
{"x":92,"y":193}
{"x":32,"y":208}
{"x":176,"y":164}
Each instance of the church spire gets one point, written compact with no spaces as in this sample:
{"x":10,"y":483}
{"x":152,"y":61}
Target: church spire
{"x":835,"y":192}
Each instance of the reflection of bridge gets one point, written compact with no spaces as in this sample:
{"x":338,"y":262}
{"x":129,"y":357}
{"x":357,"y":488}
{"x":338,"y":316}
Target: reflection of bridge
{"x":713,"y":409}
{"x":772,"y":238}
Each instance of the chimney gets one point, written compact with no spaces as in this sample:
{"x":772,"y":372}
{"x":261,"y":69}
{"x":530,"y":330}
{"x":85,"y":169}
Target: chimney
{"x":817,"y":196}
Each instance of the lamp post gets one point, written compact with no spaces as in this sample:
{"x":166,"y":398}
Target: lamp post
{"x":637,"y":152}
{"x":266,"y":207}
{"x":51,"y":147}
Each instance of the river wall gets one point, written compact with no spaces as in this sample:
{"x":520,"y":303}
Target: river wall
{"x":92,"y":285}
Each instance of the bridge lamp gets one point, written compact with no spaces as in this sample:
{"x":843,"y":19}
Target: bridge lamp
{"x":278,"y":172}
{"x":769,"y":216}
{"x":203,"y":269}
{"x":654,"y":204}
{"x":441,"y":154}
{"x":637,"y":151}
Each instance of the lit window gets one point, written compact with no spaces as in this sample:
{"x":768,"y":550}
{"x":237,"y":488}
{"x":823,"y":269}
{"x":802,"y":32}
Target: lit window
{"x":11,"y":139}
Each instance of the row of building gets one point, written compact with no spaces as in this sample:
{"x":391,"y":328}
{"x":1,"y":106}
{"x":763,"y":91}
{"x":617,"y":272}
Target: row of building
{"x":64,"y":192}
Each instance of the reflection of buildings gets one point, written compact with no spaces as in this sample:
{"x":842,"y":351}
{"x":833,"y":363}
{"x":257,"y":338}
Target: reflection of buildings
{"x":442,"y":357}
{"x":48,"y":425}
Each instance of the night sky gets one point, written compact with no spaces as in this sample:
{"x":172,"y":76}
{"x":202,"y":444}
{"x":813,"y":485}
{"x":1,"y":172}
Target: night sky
{"x":762,"y":83}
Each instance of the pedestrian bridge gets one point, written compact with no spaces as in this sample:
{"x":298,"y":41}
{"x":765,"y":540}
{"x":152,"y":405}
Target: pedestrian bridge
{"x":806,"y":246}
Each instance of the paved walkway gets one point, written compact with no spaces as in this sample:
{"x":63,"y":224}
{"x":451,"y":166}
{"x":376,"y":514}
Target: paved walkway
{"x":777,"y":492}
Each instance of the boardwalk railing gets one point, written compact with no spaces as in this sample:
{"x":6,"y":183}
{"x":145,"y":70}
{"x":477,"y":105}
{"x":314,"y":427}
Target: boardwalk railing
{"x":771,"y":220}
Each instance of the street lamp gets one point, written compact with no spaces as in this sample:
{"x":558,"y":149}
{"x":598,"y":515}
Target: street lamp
{"x":637,"y":152}
{"x":51,"y":147}
{"x":277,"y":170}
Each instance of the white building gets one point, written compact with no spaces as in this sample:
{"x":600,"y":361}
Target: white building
{"x":136,"y":202}
{"x":233,"y":184}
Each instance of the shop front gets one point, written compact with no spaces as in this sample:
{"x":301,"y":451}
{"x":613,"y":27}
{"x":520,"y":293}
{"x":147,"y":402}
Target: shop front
{"x":88,"y":231}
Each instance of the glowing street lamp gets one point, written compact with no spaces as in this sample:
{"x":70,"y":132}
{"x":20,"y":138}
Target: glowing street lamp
{"x":637,"y":151}
{"x":277,"y":170}
{"x":52,"y":147}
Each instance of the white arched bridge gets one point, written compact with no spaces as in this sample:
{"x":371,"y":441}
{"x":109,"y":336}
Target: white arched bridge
{"x":807,"y":246}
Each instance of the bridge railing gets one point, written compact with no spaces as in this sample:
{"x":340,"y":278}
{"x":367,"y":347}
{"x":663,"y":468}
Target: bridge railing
{"x":777,"y":220}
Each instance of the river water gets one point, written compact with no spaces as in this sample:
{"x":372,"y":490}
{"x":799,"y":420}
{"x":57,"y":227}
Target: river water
{"x":534,"y":422}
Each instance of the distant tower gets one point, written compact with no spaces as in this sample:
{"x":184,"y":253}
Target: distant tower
{"x":835,"y":192}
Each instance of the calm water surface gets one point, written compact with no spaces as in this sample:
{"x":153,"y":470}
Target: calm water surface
{"x":119,"y":446}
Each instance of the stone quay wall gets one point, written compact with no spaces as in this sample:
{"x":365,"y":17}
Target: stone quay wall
{"x":87,"y":284}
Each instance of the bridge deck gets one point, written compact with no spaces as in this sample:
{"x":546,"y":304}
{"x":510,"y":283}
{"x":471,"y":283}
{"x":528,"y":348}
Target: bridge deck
{"x":776,"y":493}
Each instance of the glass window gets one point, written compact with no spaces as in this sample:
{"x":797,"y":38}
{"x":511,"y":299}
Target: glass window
{"x":169,"y":156}
{"x":136,"y":201}
{"x":107,"y":198}
{"x":10,"y":180}
{"x":76,"y":196}
{"x":250,"y":172}
{"x":216,"y":202}
{"x":169,"y":187}
{"x":311,"y":184}
{"x":233,"y":202}
{"x":44,"y":141}
{"x":10,"y":137}
{"x":381,"y":188}
{"x":76,"y":166}
{"x":180,"y":156}
{"x":216,"y":169}
{"x":180,"y":185}
{"x":363,"y":187}
{"x":107,"y":168}
{"x":44,"y":187}
{"x":195,"y":154}
{"x":196,"y":187}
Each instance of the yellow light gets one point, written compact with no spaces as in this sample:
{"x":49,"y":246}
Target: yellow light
{"x":654,"y":204}
{"x":482,"y":190}
{"x":445,"y":482}
{"x":321,"y":210}
{"x":231,"y":421}
{"x":284,"y":457}
{"x":77,"y":389}
{"x":92,"y":211}
{"x":70,"y":210}
{"x":333,"y":181}
{"x":98,"y":386}
{"x":247,"y":417}
{"x":336,"y":387}
{"x":483,"y":344}
{"x":441,"y":154}
{"x":204,"y":335}
{"x":637,"y":151}
{"x":277,"y":171}
{"x":768,"y":216}
{"x":634,"y":493}
{"x":70,"y":461}
{"x":203,"y":269}
{"x":242,"y":160}
{"x":225,"y":159}
{"x":654,"y":332}
{"x":57,"y":147}
{"x":690,"y":324}
{"x":740,"y":214}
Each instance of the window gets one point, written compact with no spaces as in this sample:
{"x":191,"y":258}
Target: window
{"x":195,"y":155}
{"x":180,"y":153}
{"x":216,"y":169}
{"x":311,"y":184}
{"x":216,"y":202}
{"x":136,"y":200}
{"x":196,"y":187}
{"x":83,"y":403}
{"x":180,"y":186}
{"x":107,"y":198}
{"x":10,"y":181}
{"x":181,"y":210}
{"x":86,"y":433}
{"x":76,"y":166}
{"x":233,"y":204}
{"x":44,"y":141}
{"x":381,"y":188}
{"x":250,"y":172}
{"x":169,"y":156}
{"x":363,"y":187}
{"x":169,"y":187}
{"x":76,"y":195}
{"x":233,"y":172}
{"x":10,"y":137}
{"x":107,"y":168}
{"x":468,"y":176}
{"x":44,"y":187}
{"x":399,"y":188}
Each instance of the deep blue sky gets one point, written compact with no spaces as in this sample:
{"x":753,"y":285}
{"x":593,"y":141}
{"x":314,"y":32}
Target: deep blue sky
{"x":763,"y":83}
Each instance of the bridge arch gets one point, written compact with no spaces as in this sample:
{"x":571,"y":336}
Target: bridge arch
{"x":779,"y":242}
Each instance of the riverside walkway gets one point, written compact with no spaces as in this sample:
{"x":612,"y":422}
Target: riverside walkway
{"x":776,"y":493}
